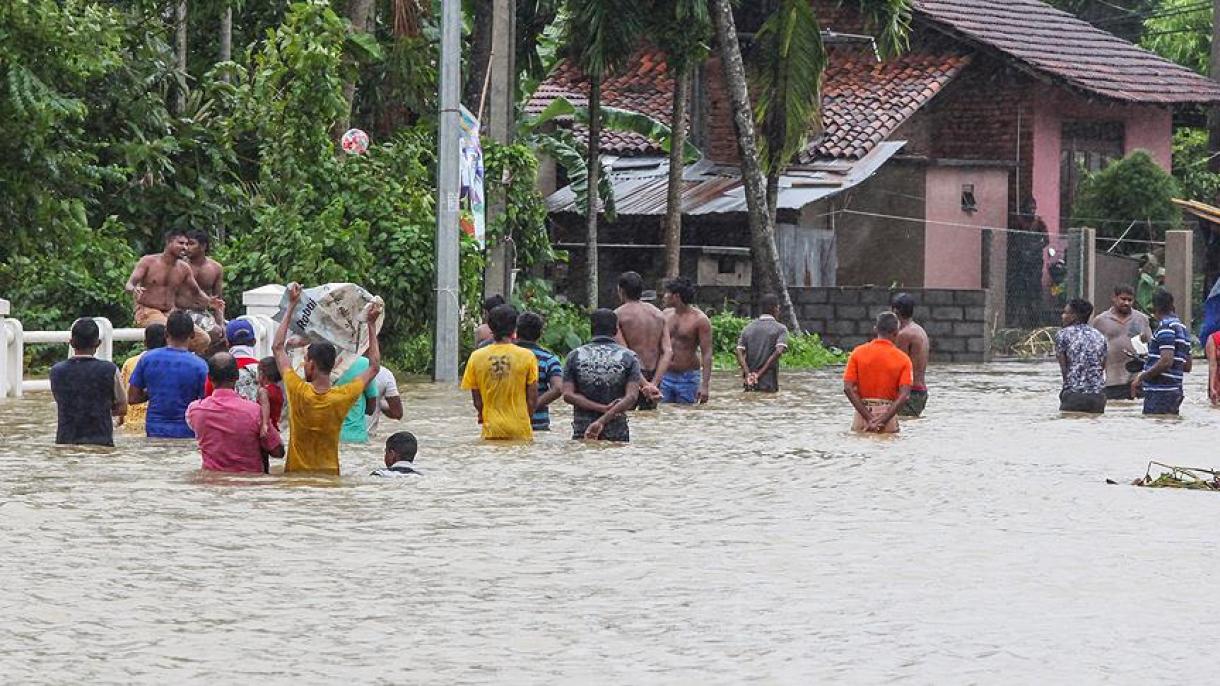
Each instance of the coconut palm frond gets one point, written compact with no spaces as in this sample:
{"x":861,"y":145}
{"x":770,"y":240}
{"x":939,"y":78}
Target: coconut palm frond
{"x":787,"y":62}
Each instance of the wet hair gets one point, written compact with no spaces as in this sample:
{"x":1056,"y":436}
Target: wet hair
{"x":632,"y":284}
{"x":603,"y":322}
{"x":402,"y":444}
{"x":1082,"y":309}
{"x":323,"y":355}
{"x":222,"y":368}
{"x":201,"y":237}
{"x":767,"y":303}
{"x":903,"y":305}
{"x":1162,"y":301}
{"x":683,"y":288}
{"x":154,"y":336}
{"x":887,"y":324}
{"x":269,"y":369}
{"x":492,"y":302}
{"x":502,"y":320}
{"x":179,"y":326}
{"x":85,"y":334}
{"x":1124,"y":289}
{"x":529,"y":326}
{"x":170,"y":234}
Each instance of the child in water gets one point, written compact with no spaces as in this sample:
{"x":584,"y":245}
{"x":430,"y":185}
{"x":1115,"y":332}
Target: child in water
{"x":399,"y":455}
{"x":270,"y":395}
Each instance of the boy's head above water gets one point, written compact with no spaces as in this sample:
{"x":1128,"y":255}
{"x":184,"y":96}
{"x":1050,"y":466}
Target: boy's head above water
{"x":400,"y":447}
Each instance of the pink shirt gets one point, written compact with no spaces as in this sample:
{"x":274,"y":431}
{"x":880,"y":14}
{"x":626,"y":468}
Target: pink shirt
{"x":226,"y":427}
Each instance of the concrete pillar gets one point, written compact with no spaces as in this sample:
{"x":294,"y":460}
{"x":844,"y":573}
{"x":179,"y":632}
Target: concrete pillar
{"x":14,"y":355}
{"x":105,"y":348}
{"x":1081,"y":259}
{"x":264,"y":300}
{"x":499,"y":123}
{"x":4,"y":307}
{"x":1180,"y":272}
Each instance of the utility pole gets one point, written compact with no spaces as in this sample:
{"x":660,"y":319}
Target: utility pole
{"x":445,"y":350}
{"x":1213,"y":113}
{"x":499,"y":122}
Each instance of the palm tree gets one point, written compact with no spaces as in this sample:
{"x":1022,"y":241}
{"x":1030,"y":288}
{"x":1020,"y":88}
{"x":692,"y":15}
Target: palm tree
{"x":683,"y":28}
{"x":599,"y":37}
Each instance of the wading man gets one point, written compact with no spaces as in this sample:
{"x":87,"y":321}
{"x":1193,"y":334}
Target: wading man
{"x":550,"y":370}
{"x":1168,"y":360}
{"x":912,"y":340}
{"x":228,"y":427}
{"x":1081,"y":350}
{"x":690,"y":331}
{"x":503,"y":381}
{"x":878,"y":379}
{"x":1119,"y":325}
{"x":88,"y":391}
{"x":163,"y":281}
{"x":170,"y":379}
{"x":641,"y":327}
{"x":209,"y":274}
{"x":601,"y":381}
{"x":760,"y":346}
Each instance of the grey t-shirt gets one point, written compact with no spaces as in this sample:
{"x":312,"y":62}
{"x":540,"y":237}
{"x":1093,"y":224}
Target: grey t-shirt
{"x":601,"y":371}
{"x":1118,"y":342}
{"x":759,"y":339}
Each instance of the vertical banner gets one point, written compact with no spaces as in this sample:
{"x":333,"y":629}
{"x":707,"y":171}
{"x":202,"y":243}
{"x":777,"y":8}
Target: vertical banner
{"x":472,"y":216}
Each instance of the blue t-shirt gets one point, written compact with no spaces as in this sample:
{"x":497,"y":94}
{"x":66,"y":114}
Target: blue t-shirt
{"x":1170,"y":334}
{"x":548,"y":367}
{"x":355,"y":430}
{"x":172,"y":378}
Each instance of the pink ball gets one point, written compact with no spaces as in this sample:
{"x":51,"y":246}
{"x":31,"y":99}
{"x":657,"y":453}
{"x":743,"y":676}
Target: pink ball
{"x":354,"y":142}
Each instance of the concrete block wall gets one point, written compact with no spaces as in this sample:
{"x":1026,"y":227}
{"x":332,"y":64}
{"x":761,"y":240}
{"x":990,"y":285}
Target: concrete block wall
{"x":956,"y":320}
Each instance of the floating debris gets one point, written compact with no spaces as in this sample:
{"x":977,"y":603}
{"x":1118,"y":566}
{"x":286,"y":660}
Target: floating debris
{"x":1195,"y":478}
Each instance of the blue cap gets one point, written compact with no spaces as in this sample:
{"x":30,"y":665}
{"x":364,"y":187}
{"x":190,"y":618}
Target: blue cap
{"x":239,"y":332}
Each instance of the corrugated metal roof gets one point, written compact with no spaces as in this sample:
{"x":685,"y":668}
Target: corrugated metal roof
{"x":709,"y":188}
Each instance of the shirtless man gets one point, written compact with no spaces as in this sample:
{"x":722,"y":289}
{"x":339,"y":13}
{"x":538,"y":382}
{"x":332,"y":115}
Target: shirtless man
{"x":641,"y":328}
{"x":209,"y":274}
{"x":163,"y":281}
{"x":689,"y":375}
{"x":913,"y":341}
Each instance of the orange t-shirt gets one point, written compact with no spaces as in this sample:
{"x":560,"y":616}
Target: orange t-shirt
{"x":878,"y":368}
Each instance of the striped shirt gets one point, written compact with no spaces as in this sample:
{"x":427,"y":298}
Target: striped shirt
{"x":548,"y":368}
{"x":1170,"y":334}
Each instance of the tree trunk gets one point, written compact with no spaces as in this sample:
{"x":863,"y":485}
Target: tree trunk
{"x":359,"y":13}
{"x":226,"y":34}
{"x":767,"y":274}
{"x":180,"y":53}
{"x":595,"y":125}
{"x":480,"y":54}
{"x":677,"y":161}
{"x":1213,"y":113}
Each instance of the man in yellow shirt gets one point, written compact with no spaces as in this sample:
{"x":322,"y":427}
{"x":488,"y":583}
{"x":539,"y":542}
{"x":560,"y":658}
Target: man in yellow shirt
{"x":503,"y":381}
{"x":316,"y":410}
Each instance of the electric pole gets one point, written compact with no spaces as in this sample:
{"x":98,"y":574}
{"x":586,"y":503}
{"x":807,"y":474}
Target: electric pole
{"x":1213,"y":113}
{"x":448,"y":297}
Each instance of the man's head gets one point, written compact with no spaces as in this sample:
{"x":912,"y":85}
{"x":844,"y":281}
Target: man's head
{"x":529,"y":327}
{"x":1077,"y":311}
{"x":679,"y":291}
{"x":179,"y":328}
{"x":768,"y":304}
{"x":175,"y":242}
{"x":198,"y":244}
{"x":603,"y":322}
{"x":502,"y":321}
{"x":630,"y":286}
{"x":886,"y":326}
{"x":239,"y":332}
{"x":400,"y":447}
{"x":490,"y":303}
{"x":1123,"y":300}
{"x":319,"y":359}
{"x":903,"y":305}
{"x":1162,"y":302}
{"x":154,"y":336}
{"x":222,"y":370}
{"x":85,"y":336}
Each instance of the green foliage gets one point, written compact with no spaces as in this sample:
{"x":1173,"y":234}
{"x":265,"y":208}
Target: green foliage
{"x":566,"y":326}
{"x":514,"y":169}
{"x":805,"y":351}
{"x":1190,"y":157}
{"x":786,"y":65}
{"x":613,"y":119}
{"x":1181,"y":31}
{"x":684,"y":29}
{"x":1133,"y":188}
{"x":570,"y":153}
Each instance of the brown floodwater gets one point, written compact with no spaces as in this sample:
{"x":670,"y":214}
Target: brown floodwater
{"x":753,"y":539}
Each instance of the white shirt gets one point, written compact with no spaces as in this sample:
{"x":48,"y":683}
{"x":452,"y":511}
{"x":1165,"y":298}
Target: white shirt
{"x":387,"y":387}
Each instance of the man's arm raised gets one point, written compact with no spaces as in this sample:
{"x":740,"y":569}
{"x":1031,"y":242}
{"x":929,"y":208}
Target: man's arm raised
{"x":137,"y":277}
{"x":281,"y":334}
{"x":374,"y":352}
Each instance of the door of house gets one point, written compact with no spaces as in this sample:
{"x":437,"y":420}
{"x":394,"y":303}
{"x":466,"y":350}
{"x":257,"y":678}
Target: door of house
{"x":1088,"y":146}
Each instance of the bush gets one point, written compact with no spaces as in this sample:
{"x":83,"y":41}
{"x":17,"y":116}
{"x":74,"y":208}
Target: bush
{"x":1131,"y":189}
{"x":567,"y":326}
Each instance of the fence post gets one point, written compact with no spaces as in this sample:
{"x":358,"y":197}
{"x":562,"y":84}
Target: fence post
{"x":14,"y":355}
{"x":105,"y":330}
{"x":1180,"y":272}
{"x":264,"y":300}
{"x":5,"y":337}
{"x":1081,"y":259}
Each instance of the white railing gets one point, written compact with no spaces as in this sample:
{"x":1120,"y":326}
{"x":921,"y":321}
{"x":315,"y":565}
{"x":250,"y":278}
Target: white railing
{"x":260,"y":304}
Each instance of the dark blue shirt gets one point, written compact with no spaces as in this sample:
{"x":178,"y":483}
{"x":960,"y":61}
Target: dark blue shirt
{"x":1170,"y":334}
{"x":601,"y":371}
{"x":172,"y":378}
{"x":548,"y":368}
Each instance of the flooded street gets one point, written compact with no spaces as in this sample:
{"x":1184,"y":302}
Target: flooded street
{"x":751,"y":540}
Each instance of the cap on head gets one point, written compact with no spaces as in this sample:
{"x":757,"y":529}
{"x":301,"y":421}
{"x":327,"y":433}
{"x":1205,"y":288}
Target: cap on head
{"x":239,"y":332}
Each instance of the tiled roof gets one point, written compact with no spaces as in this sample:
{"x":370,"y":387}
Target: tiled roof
{"x":1060,"y":45}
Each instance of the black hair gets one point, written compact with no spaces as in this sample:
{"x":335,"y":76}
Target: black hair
{"x":171,"y":233}
{"x":502,"y":320}
{"x":222,"y":368}
{"x":268,"y":368}
{"x":529,"y":326}
{"x":1124,"y":289}
{"x":767,"y":303}
{"x":179,"y":326}
{"x":403,"y":444}
{"x":903,"y":305}
{"x":1162,"y":301}
{"x":85,"y":334}
{"x":154,"y":336}
{"x":201,"y":237}
{"x":887,"y":324}
{"x":323,"y":355}
{"x":1082,"y":309}
{"x":632,"y":284}
{"x":603,"y":322}
{"x":492,"y":302}
{"x":683,"y":288}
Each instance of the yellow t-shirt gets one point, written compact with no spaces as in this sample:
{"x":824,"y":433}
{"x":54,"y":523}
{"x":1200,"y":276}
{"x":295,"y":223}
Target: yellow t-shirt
{"x":314,"y":420}
{"x":134,"y":423}
{"x":500,"y":373}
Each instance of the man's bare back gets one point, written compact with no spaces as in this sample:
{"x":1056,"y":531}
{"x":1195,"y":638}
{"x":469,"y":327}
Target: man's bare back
{"x":913,"y":340}
{"x":643,"y":330}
